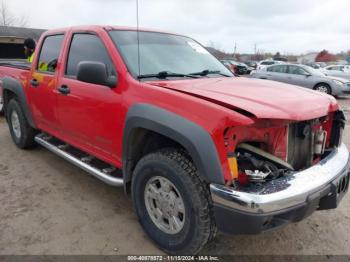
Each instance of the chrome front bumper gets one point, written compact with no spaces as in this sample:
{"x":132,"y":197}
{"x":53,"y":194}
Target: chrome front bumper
{"x":288,"y":191}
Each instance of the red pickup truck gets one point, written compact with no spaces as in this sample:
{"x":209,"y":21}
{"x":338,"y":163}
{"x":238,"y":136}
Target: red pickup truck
{"x":197,"y":148}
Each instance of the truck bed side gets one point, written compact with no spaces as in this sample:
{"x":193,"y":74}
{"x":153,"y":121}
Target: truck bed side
{"x":13,"y":80}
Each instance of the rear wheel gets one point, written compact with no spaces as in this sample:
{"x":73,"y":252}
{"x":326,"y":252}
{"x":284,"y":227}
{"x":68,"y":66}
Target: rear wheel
{"x":323,"y":88}
{"x":21,"y":132}
{"x":172,"y":203}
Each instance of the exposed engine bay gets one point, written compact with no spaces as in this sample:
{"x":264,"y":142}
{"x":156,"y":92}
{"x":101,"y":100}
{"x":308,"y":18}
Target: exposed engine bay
{"x":281,"y":151}
{"x":259,"y":166}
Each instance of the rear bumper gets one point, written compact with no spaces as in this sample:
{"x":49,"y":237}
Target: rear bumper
{"x":285,"y":200}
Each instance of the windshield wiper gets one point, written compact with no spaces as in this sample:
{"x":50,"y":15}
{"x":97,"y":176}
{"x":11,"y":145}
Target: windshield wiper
{"x":209,"y":72}
{"x":165,"y":74}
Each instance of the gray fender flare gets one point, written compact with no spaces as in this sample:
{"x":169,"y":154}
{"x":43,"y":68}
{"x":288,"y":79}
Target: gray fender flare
{"x":195,"y":139}
{"x":16,"y":87}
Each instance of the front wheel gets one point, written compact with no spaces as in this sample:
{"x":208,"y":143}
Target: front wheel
{"x":323,"y":88}
{"x":172,"y":203}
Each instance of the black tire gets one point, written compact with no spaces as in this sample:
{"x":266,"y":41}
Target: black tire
{"x":26,"y":138}
{"x":199,"y":224}
{"x":324,"y":88}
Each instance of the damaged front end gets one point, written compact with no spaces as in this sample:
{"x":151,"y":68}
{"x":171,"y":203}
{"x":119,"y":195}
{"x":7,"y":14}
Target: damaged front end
{"x":281,"y":172}
{"x":272,"y":149}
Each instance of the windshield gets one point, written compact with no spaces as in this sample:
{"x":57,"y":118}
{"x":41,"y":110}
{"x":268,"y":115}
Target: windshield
{"x":160,"y":52}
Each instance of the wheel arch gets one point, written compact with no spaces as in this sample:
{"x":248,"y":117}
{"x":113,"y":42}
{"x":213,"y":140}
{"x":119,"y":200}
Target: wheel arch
{"x":13,"y":88}
{"x":172,"y":130}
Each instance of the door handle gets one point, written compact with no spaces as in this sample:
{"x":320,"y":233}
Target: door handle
{"x":64,"y":89}
{"x":34,"y":83}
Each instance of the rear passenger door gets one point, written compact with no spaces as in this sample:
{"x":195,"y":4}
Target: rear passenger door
{"x":42,"y":84}
{"x":89,"y":113}
{"x":277,"y":73}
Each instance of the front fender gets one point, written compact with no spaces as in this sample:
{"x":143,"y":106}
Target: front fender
{"x":195,"y":139}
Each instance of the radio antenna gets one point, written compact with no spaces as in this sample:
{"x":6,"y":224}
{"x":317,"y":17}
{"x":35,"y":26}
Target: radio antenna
{"x":138,"y":36}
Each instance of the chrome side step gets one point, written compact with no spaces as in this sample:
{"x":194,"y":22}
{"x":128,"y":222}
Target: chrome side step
{"x":84,"y":162}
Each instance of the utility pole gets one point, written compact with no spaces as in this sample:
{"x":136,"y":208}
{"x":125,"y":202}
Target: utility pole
{"x":235,"y":50}
{"x":255,"y":48}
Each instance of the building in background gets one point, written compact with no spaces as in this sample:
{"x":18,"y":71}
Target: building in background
{"x":307,"y":58}
{"x":326,"y":57}
{"x":12,"y":38}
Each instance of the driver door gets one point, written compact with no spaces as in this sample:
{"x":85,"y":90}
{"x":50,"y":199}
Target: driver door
{"x":89,"y":113}
{"x":299,"y":76}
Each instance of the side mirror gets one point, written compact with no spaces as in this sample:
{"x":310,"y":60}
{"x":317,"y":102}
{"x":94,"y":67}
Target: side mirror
{"x":95,"y":73}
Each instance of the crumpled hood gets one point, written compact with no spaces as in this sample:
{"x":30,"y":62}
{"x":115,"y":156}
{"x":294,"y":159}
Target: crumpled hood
{"x":262,"y":98}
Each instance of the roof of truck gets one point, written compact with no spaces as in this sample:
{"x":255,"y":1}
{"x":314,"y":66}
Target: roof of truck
{"x":108,"y":28}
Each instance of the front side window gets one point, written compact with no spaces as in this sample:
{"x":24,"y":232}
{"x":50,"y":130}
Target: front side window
{"x":49,"y":53}
{"x":87,"y":47}
{"x":296,"y":70}
{"x":160,"y":52}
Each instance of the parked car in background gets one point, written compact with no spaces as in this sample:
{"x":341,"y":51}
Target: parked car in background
{"x":265,"y":63}
{"x":338,"y":71}
{"x":229,"y":66}
{"x":314,"y":65}
{"x":249,"y":68}
{"x":241,"y":68}
{"x":252,"y":64}
{"x":305,"y":76}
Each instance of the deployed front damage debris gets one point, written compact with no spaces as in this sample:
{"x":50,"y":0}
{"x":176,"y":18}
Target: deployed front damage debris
{"x":258,"y":165}
{"x":281,"y":150}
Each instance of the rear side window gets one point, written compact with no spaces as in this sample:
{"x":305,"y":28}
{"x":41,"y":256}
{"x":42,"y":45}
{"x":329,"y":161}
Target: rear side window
{"x":49,"y":53}
{"x":271,"y":69}
{"x":333,"y":68}
{"x":87,"y":47}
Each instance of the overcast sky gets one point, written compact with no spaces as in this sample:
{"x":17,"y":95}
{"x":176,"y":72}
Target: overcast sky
{"x":288,"y":26}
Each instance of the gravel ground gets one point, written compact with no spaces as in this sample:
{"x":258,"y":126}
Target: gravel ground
{"x":49,"y":206}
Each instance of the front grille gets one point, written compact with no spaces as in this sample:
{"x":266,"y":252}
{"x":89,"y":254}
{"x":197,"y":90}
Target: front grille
{"x":300,"y":144}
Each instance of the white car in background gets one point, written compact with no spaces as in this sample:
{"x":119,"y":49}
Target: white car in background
{"x":265,"y":63}
{"x":342,"y":71}
{"x":262,"y":65}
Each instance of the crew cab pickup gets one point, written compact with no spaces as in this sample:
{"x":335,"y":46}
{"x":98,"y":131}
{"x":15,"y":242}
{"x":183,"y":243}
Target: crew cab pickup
{"x":197,"y":148}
